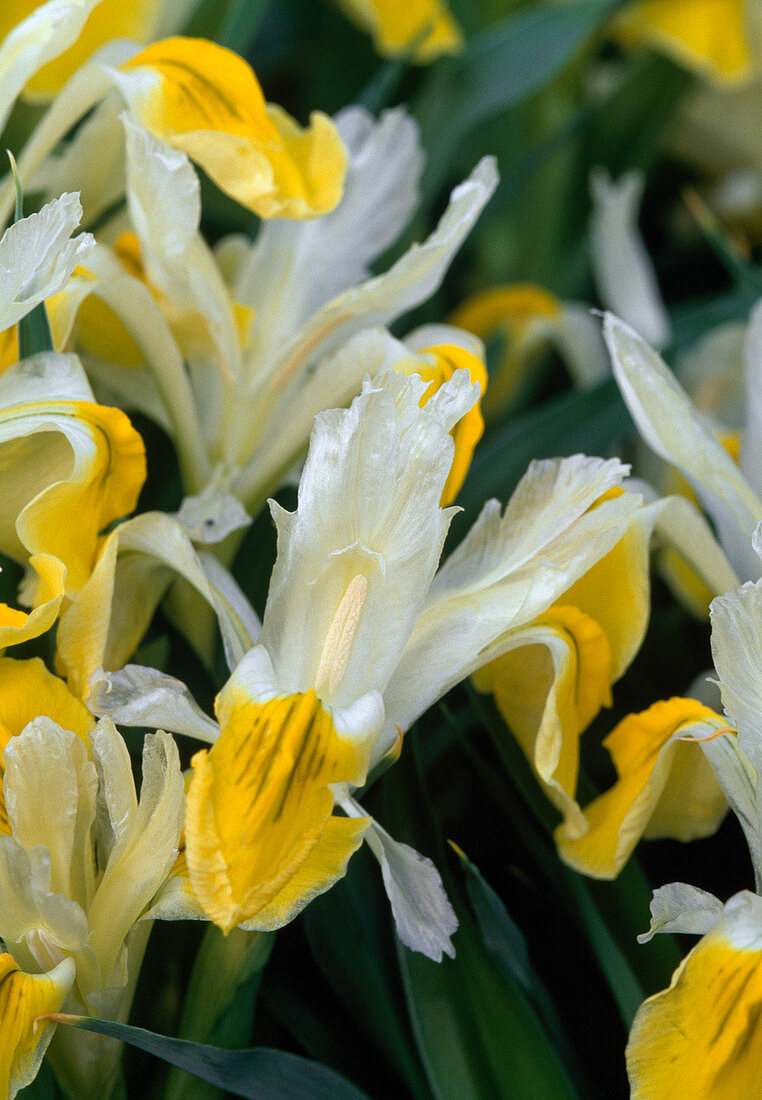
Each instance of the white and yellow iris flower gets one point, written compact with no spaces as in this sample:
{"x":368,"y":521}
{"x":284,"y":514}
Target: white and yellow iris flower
{"x":702,"y":1035}
{"x":272,"y":332}
{"x":84,"y":868}
{"x":361,"y":634}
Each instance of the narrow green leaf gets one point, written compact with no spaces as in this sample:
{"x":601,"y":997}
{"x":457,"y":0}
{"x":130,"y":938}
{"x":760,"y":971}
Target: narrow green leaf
{"x":589,"y":421}
{"x":221,"y":997}
{"x":478,"y":1035}
{"x":360,"y":963}
{"x":498,"y":68}
{"x":256,"y":1074}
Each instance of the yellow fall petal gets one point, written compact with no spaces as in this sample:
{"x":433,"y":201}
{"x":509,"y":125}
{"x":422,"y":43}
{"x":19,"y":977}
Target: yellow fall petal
{"x":9,"y":347}
{"x":205,"y":100}
{"x":702,"y":1037}
{"x":710,"y":37}
{"x":396,"y":26}
{"x":548,"y":690}
{"x":24,"y":997}
{"x":48,"y":589}
{"x":29,"y":691}
{"x":523,"y":316}
{"x":664,"y":788}
{"x":260,"y":841}
{"x":436,"y":366}
{"x":103,"y":484}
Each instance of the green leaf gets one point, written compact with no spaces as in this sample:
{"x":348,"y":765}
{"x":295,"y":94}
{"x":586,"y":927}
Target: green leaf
{"x":477,"y":1034}
{"x":588,"y":421}
{"x":256,"y":1074}
{"x":498,"y":68}
{"x":360,"y":963}
{"x":221,"y":997}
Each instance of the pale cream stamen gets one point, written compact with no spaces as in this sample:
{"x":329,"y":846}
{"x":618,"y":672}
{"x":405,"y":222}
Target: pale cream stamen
{"x":338,"y":641}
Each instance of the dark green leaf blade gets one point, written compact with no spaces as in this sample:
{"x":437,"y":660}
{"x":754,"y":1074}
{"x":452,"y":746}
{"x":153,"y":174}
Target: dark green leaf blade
{"x":256,"y":1074}
{"x":498,"y":68}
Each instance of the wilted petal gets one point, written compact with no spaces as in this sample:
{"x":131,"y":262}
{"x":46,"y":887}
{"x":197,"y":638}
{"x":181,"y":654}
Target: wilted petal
{"x":683,"y":908}
{"x":423,"y":916}
{"x":138,"y":696}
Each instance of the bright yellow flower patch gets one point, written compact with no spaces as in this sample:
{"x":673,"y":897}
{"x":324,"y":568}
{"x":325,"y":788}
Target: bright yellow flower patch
{"x":665,"y":787}
{"x":444,"y":360}
{"x":548,"y":690}
{"x":205,"y":100}
{"x":396,"y":26}
{"x":29,"y":691}
{"x":709,"y":36}
{"x":98,"y":486}
{"x":702,"y":1037}
{"x":522,"y":316}
{"x":261,"y":838}
{"x":24,"y":997}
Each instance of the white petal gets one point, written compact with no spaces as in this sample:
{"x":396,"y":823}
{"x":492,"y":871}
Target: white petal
{"x":737,"y":653}
{"x":624,"y":275}
{"x":139,"y":696}
{"x":506,"y":572}
{"x":164,"y":202}
{"x":49,"y":376}
{"x":356,"y":558}
{"x":296,"y":267}
{"x":410,"y":281}
{"x":423,"y":916}
{"x":211,"y":516}
{"x":675,"y":430}
{"x":683,"y":908}
{"x":37,"y":257}
{"x":50,"y":791}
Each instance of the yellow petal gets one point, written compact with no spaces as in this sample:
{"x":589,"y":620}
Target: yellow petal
{"x":105,"y":475}
{"x":396,"y":26}
{"x":205,"y":100}
{"x":548,"y":690}
{"x":29,"y":691}
{"x":111,"y":19}
{"x":702,"y":1037}
{"x":436,"y":365}
{"x":9,"y":347}
{"x":709,"y":36}
{"x":523,"y":316}
{"x":665,"y":787}
{"x":48,"y":585}
{"x":24,"y":997}
{"x":260,"y":837}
